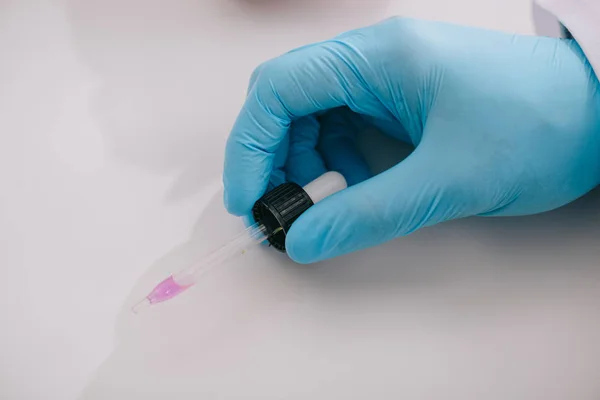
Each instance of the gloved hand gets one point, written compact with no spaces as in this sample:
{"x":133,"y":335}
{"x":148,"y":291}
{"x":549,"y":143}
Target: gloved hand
{"x":503,"y":125}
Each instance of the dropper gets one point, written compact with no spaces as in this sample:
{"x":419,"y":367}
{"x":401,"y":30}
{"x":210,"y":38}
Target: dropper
{"x":274,"y":214}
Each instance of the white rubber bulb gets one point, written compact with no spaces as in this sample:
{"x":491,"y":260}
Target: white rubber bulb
{"x":327,"y":184}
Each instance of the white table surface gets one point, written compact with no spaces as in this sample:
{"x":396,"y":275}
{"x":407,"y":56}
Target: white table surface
{"x":113,"y":117}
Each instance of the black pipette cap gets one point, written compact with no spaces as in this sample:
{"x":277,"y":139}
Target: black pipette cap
{"x":278,"y":209}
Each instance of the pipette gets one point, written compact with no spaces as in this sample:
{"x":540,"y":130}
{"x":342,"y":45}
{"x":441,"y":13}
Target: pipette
{"x":274,"y":214}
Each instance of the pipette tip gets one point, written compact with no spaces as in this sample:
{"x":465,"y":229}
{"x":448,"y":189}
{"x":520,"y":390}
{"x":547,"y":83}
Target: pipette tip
{"x":141,"y":305}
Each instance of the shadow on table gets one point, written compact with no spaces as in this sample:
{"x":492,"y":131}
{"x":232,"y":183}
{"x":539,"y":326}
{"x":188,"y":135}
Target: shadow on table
{"x":172,"y":75}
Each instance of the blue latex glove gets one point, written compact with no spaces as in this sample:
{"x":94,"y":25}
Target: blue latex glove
{"x":503,"y":125}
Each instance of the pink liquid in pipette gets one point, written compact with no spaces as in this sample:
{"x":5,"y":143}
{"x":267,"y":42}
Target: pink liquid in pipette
{"x":166,"y":290}
{"x":169,"y":288}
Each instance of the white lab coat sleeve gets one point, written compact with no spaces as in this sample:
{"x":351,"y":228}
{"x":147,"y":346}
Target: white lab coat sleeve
{"x":582,"y":19}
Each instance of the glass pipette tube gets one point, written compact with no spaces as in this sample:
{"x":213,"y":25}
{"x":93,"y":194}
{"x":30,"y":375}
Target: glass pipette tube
{"x":275,"y":212}
{"x":187,"y":277}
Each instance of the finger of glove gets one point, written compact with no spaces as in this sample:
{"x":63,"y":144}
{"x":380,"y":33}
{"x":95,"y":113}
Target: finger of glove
{"x":297,"y":84}
{"x":409,"y":196}
{"x":337,"y":145}
{"x":304,"y":163}
{"x":278,"y":174}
